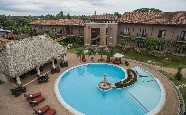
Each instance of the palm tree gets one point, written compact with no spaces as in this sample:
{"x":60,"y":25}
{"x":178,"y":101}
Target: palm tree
{"x":79,"y":53}
{"x":101,"y":52}
{"x":91,"y":52}
{"x":179,"y":75}
{"x":109,"y":54}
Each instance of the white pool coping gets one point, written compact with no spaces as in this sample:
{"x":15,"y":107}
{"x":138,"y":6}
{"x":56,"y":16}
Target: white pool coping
{"x":74,"y":111}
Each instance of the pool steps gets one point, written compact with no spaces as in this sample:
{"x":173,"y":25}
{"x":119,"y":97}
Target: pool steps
{"x":146,"y":110}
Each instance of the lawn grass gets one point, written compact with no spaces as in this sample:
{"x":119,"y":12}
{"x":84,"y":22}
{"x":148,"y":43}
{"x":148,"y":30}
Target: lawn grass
{"x":74,"y":50}
{"x":166,"y":61}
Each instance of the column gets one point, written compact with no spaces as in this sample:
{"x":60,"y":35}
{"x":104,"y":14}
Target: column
{"x":53,"y":64}
{"x":103,"y":36}
{"x":87,"y":36}
{"x":62,"y":58}
{"x":18,"y":81}
{"x":38,"y":71}
{"x":58,"y":63}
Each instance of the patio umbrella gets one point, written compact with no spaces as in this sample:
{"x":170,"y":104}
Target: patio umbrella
{"x":85,"y":52}
{"x":118,"y":55}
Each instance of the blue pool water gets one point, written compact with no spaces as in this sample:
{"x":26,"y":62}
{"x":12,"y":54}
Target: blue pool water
{"x":78,"y":89}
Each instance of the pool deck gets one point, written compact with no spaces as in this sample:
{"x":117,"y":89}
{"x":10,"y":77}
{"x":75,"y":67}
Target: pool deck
{"x":9,"y":105}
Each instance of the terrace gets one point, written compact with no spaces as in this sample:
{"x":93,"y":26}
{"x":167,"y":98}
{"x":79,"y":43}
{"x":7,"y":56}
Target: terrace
{"x":47,"y":91}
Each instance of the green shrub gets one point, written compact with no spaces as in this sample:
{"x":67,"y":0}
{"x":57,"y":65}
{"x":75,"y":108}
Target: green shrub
{"x":179,"y":75}
{"x":53,"y":35}
{"x":74,"y":40}
{"x":151,"y":43}
{"x":127,"y":63}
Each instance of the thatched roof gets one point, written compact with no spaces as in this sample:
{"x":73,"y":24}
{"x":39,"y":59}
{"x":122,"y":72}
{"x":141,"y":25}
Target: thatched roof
{"x":21,"y":56}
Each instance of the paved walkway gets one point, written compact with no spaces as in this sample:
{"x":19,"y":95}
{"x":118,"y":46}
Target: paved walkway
{"x":10,"y":105}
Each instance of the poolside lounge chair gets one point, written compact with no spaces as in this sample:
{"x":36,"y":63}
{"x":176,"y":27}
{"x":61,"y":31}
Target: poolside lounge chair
{"x":42,"y":110}
{"x":50,"y":112}
{"x":36,"y":101}
{"x":32,"y":96}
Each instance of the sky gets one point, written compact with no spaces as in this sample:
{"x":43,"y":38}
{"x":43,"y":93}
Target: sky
{"x":84,"y":7}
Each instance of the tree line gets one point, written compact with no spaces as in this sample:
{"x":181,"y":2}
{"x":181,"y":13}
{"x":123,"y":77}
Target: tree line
{"x":16,"y":24}
{"x":21,"y":24}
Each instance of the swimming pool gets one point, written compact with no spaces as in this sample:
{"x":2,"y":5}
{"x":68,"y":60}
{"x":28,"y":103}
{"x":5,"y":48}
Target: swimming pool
{"x":77,"y":90}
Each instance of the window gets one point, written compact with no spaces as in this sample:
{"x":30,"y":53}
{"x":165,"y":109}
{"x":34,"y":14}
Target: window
{"x":61,"y":31}
{"x":107,"y":31}
{"x":54,"y":29}
{"x":162,"y":34}
{"x":152,"y":29}
{"x":183,"y":36}
{"x":126,"y":31}
{"x":143,"y":32}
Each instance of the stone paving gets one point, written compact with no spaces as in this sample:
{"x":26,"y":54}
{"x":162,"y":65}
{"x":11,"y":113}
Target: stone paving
{"x":10,"y":105}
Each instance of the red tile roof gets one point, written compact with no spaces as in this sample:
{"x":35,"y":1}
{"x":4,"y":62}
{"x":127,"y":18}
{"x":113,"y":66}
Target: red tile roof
{"x":75,"y":22}
{"x":166,"y":18}
{"x":163,"y":18}
{"x":104,"y":17}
